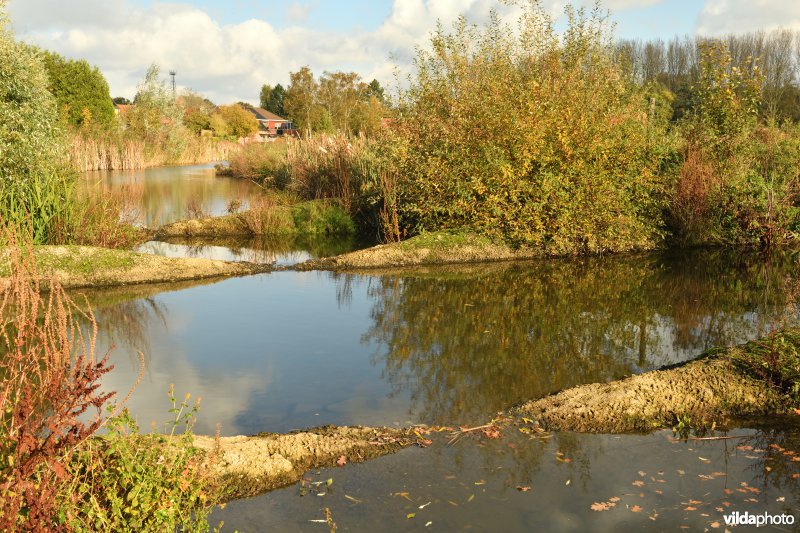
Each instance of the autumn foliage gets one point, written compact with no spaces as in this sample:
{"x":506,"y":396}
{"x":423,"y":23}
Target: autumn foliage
{"x":49,"y":393}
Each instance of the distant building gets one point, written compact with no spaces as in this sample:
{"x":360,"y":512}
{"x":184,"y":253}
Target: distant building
{"x":271,"y":125}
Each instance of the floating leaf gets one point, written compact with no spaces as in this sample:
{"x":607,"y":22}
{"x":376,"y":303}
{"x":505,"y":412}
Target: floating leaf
{"x":342,"y":460}
{"x":597,"y":506}
{"x":523,"y":489}
{"x":636,"y":509}
{"x":411,"y":515}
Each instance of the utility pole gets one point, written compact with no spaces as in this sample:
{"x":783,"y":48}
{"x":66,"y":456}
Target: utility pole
{"x":173,"y":73}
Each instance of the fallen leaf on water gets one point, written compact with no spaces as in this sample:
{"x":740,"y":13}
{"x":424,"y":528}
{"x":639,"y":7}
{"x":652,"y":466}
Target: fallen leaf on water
{"x":481,"y":482}
{"x":636,"y":509}
{"x":411,"y":515}
{"x":694,"y":502}
{"x":728,"y":491}
{"x":638,"y":483}
{"x":597,"y":506}
{"x":681,"y":472}
{"x":454,"y":504}
{"x":341,"y":461}
{"x":653,"y":517}
{"x":568,"y":482}
{"x":471,"y":497}
{"x":491,"y":433}
{"x":715,"y":525}
{"x":424,"y":505}
{"x":690,"y":508}
{"x":523,"y":489}
{"x":355,"y":500}
{"x":403,"y":495}
{"x":642,"y":473}
{"x":563,"y":459}
{"x":614,"y":499}
{"x":781,"y":499}
{"x":427,"y":524}
{"x":704,"y":459}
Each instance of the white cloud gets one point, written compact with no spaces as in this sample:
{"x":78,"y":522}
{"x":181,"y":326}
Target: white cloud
{"x":738,"y":16}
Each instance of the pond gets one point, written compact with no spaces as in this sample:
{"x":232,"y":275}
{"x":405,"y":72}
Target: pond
{"x":453,"y":346}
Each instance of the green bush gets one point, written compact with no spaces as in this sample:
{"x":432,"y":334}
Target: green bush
{"x":34,"y":186}
{"x":126,"y":481}
{"x":530,"y":136}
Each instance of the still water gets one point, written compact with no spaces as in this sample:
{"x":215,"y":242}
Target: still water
{"x":452,"y":346}
{"x":167,"y":194}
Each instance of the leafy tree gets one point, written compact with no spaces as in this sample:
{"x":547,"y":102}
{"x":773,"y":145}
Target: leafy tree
{"x":301,"y":99}
{"x":272,"y":99}
{"x":155,"y":111}
{"x":197,"y":111}
{"x":32,"y":189}
{"x":80,"y":90}
{"x":240,"y":122}
{"x":374,"y":89}
{"x":531,"y":135}
{"x":121,"y":100}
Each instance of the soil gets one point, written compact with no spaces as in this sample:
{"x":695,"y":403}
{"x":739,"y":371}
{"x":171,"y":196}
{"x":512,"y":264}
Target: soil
{"x":206,"y":227}
{"x":247,"y":466}
{"x":428,"y":249}
{"x":86,"y":267}
{"x":708,"y":390}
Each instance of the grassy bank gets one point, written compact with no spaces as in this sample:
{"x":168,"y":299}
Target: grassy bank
{"x":269,"y":215}
{"x":85,"y":266}
{"x":759,"y":378}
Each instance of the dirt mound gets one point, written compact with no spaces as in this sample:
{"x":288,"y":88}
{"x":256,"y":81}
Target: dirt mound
{"x":705,"y":390}
{"x":251,"y":465}
{"x":427,"y":249}
{"x":205,"y":227}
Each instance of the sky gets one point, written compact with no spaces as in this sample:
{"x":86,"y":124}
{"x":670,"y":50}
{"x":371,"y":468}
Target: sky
{"x":227,"y":49}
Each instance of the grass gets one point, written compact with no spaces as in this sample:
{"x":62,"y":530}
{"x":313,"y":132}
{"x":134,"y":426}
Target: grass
{"x":775,"y":360}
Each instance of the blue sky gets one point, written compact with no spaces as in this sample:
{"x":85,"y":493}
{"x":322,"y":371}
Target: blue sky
{"x":227,"y":49}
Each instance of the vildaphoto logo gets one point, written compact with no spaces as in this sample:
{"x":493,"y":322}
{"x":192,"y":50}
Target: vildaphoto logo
{"x":758,"y":520}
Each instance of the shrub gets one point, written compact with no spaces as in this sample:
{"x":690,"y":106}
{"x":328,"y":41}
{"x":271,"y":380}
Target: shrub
{"x":128,"y":481}
{"x":34,"y":187}
{"x":262,"y":162}
{"x":49,"y":395}
{"x":534,"y":137}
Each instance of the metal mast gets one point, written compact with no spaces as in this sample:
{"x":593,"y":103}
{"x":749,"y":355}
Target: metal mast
{"x":173,"y":73}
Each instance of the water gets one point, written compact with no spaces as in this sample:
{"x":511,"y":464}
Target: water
{"x":454,"y":345}
{"x":167,"y":192}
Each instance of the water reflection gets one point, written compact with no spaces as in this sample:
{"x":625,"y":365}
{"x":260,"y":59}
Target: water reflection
{"x":295,"y":349}
{"x":168,"y":191}
{"x":655,"y":483}
{"x":281,"y":250}
{"x":468,"y":342}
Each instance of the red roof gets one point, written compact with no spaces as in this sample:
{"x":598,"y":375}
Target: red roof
{"x":263,"y":114}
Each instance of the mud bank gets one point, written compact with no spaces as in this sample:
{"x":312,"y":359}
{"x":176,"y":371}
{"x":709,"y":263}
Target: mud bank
{"x":709,"y":390}
{"x":247,"y":466}
{"x":87,"y":267}
{"x":437,"y":248}
{"x":224,"y":226}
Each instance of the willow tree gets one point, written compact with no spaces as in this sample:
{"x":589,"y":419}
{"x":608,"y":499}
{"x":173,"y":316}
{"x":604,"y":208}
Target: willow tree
{"x":33,"y":190}
{"x":532,"y":135}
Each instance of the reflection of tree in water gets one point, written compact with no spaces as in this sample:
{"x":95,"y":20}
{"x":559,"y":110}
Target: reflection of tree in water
{"x":465,"y":344}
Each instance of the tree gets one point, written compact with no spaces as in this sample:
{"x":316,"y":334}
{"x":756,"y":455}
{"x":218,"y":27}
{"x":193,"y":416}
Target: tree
{"x":340,"y":93}
{"x":275,"y":101}
{"x":301,"y":98}
{"x":240,"y":121}
{"x":265,"y":95}
{"x":197,"y":111}
{"x":374,"y":89}
{"x":80,"y":90}
{"x":121,"y":100}
{"x":155,"y":110}
{"x":32,"y":190}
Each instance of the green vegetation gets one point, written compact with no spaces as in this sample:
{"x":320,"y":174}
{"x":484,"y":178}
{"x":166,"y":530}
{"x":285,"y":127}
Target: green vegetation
{"x":55,"y":473}
{"x":80,"y":90}
{"x":775,"y":360}
{"x":338,"y":101}
{"x":271,"y":99}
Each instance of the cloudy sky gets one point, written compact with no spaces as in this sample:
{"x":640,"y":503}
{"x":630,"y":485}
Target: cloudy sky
{"x":226,"y":49}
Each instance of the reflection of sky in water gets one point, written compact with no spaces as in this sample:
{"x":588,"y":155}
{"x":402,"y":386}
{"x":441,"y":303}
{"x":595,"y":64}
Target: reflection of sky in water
{"x":223,"y":253}
{"x":168,"y":191}
{"x":289,"y":349}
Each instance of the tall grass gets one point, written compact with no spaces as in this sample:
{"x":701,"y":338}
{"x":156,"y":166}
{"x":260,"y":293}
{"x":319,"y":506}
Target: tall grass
{"x":116,"y":151}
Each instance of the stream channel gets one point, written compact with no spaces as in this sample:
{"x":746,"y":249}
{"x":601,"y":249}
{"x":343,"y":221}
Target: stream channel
{"x":452,"y":346}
